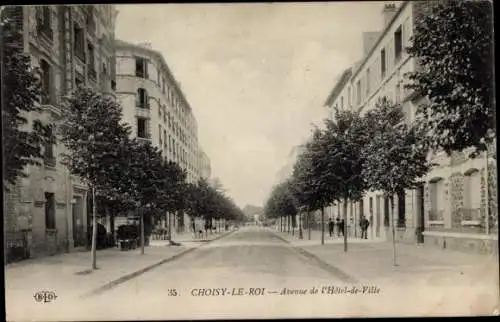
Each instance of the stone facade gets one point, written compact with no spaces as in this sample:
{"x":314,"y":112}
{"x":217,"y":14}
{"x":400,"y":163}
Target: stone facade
{"x":442,"y":208}
{"x":50,"y":204}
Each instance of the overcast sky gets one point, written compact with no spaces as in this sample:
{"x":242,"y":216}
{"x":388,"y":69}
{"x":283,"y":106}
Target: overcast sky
{"x":256,"y":75}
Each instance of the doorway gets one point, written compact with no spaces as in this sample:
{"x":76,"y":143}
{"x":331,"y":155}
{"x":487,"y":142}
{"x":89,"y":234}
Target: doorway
{"x":78,"y":229}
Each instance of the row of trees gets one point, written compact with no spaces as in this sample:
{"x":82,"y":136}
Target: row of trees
{"x":127,"y":173}
{"x":379,"y":151}
{"x":124,"y":173}
{"x":352,"y":154}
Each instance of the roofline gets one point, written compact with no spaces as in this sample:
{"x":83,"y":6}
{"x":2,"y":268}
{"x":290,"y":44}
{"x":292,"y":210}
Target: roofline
{"x":125,"y":44}
{"x":382,"y":35}
{"x":344,"y":78}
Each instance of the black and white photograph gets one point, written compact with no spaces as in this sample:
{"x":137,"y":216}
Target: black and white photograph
{"x":249,"y":160}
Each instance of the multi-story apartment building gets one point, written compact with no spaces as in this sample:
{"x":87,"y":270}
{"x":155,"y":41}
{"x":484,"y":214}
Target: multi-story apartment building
{"x":454,"y":207}
{"x":154,"y":105}
{"x":204,"y":165}
{"x":72,"y":45}
{"x":156,"y":108}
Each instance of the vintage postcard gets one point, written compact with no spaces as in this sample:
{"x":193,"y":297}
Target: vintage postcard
{"x":249,"y":160}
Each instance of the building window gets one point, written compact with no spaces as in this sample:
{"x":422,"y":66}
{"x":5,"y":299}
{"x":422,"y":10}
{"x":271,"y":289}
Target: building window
{"x":349,"y":100}
{"x":163,"y":86}
{"x":382,"y":63}
{"x":472,"y":199}
{"x":398,"y":44}
{"x":159,"y":134}
{"x":44,"y":22}
{"x":141,"y":67}
{"x":342,"y":102}
{"x":158,"y":79}
{"x":89,"y":19}
{"x":142,"y":128}
{"x":437,"y":200}
{"x":79,"y":42}
{"x":46,"y":82}
{"x":48,"y":151}
{"x":164,"y":114}
{"x":91,"y":61}
{"x":142,"y":98}
{"x":104,"y":69}
{"x":358,"y":92}
{"x":368,"y":81}
{"x":50,"y":211}
{"x":397,"y":98}
{"x":159,"y":112}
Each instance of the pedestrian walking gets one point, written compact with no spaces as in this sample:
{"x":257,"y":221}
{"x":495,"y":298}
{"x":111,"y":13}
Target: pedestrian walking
{"x":342,"y":227}
{"x":364,"y":223}
{"x":337,"y":222}
{"x":331,"y":226}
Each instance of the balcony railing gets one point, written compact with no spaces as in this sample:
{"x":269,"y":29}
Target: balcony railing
{"x":436,"y":216}
{"x":470,"y":216}
{"x":143,"y":105}
{"x":45,"y":31}
{"x":92,"y":73}
{"x":49,"y":161}
{"x":80,"y":53}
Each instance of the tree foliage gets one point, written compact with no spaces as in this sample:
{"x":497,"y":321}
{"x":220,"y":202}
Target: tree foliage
{"x":208,"y":202}
{"x":453,"y":44}
{"x":281,"y":202}
{"x":21,"y":91}
{"x":345,"y":138}
{"x":395,"y":157}
{"x":91,"y":129}
{"x":311,"y":184}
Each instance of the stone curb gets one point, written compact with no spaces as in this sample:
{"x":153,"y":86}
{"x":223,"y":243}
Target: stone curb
{"x":141,"y":271}
{"x":321,"y":263}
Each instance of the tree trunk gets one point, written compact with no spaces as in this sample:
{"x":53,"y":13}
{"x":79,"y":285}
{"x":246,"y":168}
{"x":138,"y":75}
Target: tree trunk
{"x":289,"y":223}
{"x":141,"y":216}
{"x":308,"y":225}
{"x":301,"y":236}
{"x":169,"y":226}
{"x":112,"y":216}
{"x":322,"y":225}
{"x":345,"y":221}
{"x":393,"y":234}
{"x":94,"y":229}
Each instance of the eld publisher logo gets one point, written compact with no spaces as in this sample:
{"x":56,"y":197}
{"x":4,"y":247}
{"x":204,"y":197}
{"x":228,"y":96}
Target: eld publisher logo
{"x":45,"y":296}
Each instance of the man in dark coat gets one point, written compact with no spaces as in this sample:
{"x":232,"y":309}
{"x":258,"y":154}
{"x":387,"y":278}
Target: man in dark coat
{"x":331,"y":226}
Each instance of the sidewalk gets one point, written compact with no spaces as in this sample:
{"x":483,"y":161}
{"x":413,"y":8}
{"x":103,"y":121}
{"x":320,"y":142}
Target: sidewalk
{"x":436,"y":276}
{"x":316,"y":238}
{"x":373,"y":258}
{"x":70,"y":274}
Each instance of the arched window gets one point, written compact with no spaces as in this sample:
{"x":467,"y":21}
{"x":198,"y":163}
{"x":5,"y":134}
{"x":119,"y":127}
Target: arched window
{"x":142,"y":98}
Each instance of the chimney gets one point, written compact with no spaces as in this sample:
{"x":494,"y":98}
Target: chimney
{"x":388,"y":12}
{"x":369,"y":39}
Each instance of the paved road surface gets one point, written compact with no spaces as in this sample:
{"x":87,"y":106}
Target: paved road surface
{"x":235,"y":277}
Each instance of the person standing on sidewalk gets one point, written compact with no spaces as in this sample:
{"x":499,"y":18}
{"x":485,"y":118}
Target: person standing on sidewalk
{"x":342,"y":227}
{"x":331,"y":226}
{"x":337,"y":222}
{"x":364,"y":223}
